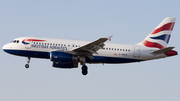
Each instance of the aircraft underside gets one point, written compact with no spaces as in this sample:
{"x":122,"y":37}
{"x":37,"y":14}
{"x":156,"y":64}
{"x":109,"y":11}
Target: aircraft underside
{"x":97,"y":59}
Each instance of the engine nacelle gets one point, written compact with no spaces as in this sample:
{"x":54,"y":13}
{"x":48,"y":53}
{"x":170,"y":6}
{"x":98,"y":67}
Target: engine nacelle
{"x":65,"y":65}
{"x":57,"y":56}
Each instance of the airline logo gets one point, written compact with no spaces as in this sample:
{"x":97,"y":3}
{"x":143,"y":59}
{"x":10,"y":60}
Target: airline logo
{"x":26,"y":41}
{"x":164,"y":37}
{"x":158,"y":40}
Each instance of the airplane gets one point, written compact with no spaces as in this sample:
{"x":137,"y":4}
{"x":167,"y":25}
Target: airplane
{"x":69,"y":53}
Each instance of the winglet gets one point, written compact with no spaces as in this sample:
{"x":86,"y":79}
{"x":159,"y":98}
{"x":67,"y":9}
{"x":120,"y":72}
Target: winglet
{"x":109,"y":38}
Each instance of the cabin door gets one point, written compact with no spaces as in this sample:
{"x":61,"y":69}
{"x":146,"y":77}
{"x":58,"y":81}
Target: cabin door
{"x":136,"y":51}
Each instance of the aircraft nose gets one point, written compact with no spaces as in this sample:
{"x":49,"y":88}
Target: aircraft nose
{"x":6,"y":47}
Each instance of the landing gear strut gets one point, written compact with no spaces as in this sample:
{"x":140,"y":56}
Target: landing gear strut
{"x":84,"y":70}
{"x":28,"y":60}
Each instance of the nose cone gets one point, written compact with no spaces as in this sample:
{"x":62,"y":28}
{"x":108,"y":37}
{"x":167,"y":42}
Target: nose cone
{"x":6,"y":48}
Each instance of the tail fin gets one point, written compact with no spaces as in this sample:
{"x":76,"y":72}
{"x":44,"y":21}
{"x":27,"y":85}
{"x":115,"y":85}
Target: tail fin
{"x":160,"y":36}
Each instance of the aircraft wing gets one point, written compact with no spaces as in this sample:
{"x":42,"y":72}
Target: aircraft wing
{"x":91,"y":48}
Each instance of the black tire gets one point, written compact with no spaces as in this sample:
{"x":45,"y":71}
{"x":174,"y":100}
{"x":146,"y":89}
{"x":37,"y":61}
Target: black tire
{"x":84,"y":68}
{"x":27,"y":65}
{"x":84,"y":72}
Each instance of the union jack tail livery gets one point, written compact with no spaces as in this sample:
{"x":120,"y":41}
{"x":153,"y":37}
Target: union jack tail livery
{"x":160,"y":36}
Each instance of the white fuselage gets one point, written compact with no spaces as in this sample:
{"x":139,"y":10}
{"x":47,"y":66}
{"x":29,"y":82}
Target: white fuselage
{"x":112,"y":52}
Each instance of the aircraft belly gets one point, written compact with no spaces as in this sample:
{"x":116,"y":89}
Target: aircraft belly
{"x":101,"y":59}
{"x":97,"y":59}
{"x":28,"y":53}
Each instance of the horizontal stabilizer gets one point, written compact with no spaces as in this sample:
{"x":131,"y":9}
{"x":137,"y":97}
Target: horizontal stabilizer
{"x":162,"y":50}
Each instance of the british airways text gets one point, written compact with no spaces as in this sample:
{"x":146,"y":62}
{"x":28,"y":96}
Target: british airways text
{"x":48,"y":47}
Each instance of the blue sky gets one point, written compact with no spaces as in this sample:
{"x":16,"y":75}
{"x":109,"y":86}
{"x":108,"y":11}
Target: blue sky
{"x":128,"y":21}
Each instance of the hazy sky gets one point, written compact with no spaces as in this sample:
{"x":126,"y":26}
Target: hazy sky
{"x":129,"y":21}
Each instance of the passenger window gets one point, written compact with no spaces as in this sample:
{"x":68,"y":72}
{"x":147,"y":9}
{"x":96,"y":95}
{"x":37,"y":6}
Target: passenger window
{"x":68,"y":45}
{"x":64,"y":45}
{"x":50,"y":43}
{"x":112,"y":48}
{"x":123,"y":49}
{"x":118,"y":49}
{"x":39,"y":43}
{"x":129,"y":50}
{"x":126,"y":49}
{"x":36,"y":42}
{"x":115,"y":49}
{"x":17,"y":41}
{"x":59,"y":44}
{"x":109,"y":48}
{"x":42,"y":43}
{"x":106,"y":48}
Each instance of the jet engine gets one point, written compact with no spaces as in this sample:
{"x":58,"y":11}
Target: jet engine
{"x":57,"y":56}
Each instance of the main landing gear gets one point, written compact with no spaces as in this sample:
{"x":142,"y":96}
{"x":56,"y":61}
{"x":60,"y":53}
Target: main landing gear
{"x":84,"y":67}
{"x":28,"y":60}
{"x":84,"y":70}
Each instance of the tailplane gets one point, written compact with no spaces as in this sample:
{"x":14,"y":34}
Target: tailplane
{"x":160,"y":36}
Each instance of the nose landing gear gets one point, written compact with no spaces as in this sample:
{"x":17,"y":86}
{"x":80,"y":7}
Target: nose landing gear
{"x":28,"y":60}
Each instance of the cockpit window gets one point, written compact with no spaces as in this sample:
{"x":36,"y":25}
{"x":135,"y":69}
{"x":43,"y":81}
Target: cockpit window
{"x":15,"y":41}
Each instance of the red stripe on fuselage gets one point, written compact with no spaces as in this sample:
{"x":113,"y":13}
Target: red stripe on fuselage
{"x":33,"y":40}
{"x":168,"y":26}
{"x":152,"y":44}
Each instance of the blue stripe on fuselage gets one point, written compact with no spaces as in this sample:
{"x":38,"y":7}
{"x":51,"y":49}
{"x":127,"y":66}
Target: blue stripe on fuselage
{"x":26,"y":53}
{"x":97,"y":59}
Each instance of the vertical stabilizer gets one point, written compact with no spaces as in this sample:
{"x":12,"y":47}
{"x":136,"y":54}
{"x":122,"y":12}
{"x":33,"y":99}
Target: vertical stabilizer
{"x":160,"y":36}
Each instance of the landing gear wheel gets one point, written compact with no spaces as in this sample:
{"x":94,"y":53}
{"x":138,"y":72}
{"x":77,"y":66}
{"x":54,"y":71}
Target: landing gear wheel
{"x":27,"y":65}
{"x":28,"y":60}
{"x":84,"y":70}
